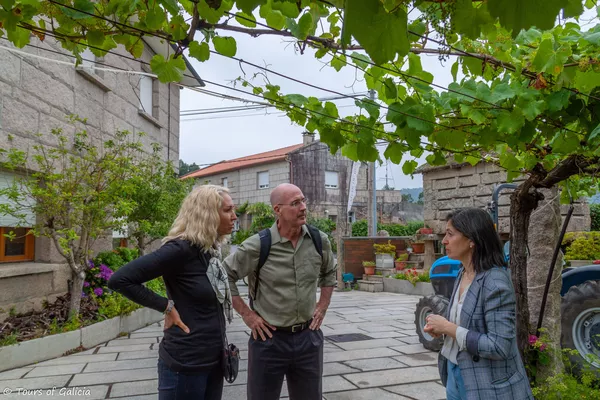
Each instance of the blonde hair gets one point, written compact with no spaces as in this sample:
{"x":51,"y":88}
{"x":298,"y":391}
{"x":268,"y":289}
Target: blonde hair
{"x":198,"y":219}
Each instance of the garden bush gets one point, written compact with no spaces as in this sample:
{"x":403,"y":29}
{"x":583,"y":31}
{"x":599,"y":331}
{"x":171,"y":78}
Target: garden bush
{"x":595,"y":216}
{"x":582,"y":246}
{"x":361,"y":228}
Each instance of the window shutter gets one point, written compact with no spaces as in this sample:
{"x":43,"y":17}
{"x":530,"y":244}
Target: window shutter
{"x":331,"y":179}
{"x":263,"y":180}
{"x":146,"y":94}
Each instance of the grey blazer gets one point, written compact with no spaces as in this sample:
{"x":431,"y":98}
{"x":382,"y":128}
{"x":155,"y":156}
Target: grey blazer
{"x":491,"y":366}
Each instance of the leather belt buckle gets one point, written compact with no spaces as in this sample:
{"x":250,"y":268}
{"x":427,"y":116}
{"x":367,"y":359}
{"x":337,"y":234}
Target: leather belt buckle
{"x":299,"y":327}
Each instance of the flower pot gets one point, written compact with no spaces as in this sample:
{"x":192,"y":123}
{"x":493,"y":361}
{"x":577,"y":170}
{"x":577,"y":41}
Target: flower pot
{"x":426,"y":231}
{"x":418,"y":248}
{"x":369,"y":270}
{"x":400,"y":265}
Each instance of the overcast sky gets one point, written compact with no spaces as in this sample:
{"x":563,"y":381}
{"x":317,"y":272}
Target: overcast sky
{"x":215,"y":137}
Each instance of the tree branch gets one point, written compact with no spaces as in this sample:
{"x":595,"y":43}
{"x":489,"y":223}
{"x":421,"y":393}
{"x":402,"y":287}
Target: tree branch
{"x":573,"y":165}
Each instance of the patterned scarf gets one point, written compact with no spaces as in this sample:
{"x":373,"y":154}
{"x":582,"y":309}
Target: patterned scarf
{"x":218,"y":279}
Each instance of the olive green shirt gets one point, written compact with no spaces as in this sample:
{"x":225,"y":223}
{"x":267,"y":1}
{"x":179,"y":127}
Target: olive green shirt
{"x":288,"y":280}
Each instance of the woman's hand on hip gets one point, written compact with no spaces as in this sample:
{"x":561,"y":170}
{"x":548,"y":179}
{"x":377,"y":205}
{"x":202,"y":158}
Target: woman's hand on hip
{"x":173,"y":318}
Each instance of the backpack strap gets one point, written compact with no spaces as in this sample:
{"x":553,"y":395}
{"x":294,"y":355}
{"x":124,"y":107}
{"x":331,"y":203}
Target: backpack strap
{"x":315,"y":235}
{"x":265,"y":249}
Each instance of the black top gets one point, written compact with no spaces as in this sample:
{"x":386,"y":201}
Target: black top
{"x":183,"y":267}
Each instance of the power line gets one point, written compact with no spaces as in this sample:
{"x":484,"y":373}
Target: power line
{"x":302,"y":111}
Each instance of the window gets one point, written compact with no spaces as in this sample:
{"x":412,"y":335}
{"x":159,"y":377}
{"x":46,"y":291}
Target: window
{"x":224,"y":182}
{"x":21,"y":248}
{"x":89,"y":61}
{"x":351,"y":217}
{"x":263,"y":180}
{"x":119,"y":242}
{"x":146,"y":94}
{"x":331,"y":179}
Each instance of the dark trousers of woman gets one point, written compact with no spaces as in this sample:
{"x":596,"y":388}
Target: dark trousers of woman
{"x":178,"y":386}
{"x":297,"y":356}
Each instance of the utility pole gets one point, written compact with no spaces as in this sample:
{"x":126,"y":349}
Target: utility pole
{"x":372,"y":205}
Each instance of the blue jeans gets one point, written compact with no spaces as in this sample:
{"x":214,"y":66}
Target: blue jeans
{"x":455,"y":387}
{"x":177,"y":386}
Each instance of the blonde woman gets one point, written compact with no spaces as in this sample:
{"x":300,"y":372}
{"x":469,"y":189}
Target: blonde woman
{"x":189,"y":364}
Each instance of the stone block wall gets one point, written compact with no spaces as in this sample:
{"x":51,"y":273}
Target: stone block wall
{"x":36,"y":96}
{"x":455,"y":186}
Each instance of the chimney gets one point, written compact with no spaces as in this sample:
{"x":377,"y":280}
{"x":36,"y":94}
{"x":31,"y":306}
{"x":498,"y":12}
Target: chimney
{"x":308,"y":138}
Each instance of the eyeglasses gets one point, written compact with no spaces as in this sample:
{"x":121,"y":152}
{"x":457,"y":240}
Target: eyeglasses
{"x":296,"y":203}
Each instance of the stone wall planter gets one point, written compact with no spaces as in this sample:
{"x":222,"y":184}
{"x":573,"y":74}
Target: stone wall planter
{"x":384,"y":261}
{"x":46,"y":348}
{"x":405,"y":287}
{"x":580,"y":263}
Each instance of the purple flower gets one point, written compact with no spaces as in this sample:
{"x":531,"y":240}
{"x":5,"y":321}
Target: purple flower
{"x":532,"y":340}
{"x":98,"y":291}
{"x":86,"y":284}
{"x":90,"y":264}
{"x":83,"y":294}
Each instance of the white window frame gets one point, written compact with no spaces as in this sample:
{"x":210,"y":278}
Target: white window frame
{"x":146,"y":94}
{"x":351,"y":217}
{"x":262,"y":185}
{"x":330,"y":176}
{"x":224,"y":182}
{"x":86,"y":65}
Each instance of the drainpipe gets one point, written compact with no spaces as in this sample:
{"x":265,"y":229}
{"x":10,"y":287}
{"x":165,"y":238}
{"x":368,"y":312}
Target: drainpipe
{"x":291,"y":168}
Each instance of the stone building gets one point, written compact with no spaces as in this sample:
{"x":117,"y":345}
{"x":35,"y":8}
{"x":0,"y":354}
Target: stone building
{"x":455,"y":185}
{"x":324,"y":179}
{"x":36,"y":96}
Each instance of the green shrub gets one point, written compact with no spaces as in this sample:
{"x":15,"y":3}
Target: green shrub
{"x":9,"y":340}
{"x":361,"y":228}
{"x":111,"y":259}
{"x":567,"y":387}
{"x":157,"y":286}
{"x":115,"y":305}
{"x":595,"y":216}
{"x":241,"y":235}
{"x":326,"y":226}
{"x":582,"y":245}
{"x":127,"y":254}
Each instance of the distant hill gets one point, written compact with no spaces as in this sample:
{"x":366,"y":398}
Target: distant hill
{"x":414,"y":192}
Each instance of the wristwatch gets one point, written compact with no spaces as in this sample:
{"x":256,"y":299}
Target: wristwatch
{"x":170,"y":306}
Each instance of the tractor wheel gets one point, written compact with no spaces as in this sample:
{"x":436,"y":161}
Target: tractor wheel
{"x":580,"y":310}
{"x":429,"y":305}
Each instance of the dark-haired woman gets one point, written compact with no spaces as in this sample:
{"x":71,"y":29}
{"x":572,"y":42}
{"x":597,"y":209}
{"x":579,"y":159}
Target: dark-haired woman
{"x":480,"y":358}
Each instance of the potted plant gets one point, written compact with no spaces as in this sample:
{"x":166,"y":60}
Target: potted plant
{"x":401,"y":261}
{"x":384,"y":254}
{"x":426,"y":231}
{"x":369,"y":267}
{"x":418,"y":247}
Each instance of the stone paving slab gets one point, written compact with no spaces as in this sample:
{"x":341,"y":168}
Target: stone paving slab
{"x":134,"y":388}
{"x":364,"y":394}
{"x":390,"y":366}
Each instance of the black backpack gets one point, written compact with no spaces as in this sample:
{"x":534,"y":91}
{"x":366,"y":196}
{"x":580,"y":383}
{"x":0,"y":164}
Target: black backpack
{"x":265,"y":249}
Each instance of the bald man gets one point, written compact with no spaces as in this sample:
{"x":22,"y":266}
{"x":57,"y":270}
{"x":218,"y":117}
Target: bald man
{"x":285,"y":318}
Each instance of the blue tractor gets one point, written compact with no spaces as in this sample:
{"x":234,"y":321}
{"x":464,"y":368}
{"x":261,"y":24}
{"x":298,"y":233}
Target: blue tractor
{"x":580,"y":309}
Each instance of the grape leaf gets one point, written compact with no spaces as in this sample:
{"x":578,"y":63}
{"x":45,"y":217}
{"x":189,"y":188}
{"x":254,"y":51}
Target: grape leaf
{"x":170,"y":70}
{"x":409,"y":167}
{"x":200,"y":51}
{"x":248,"y":6}
{"x":382,"y":34}
{"x":394,"y":152}
{"x":275,"y":19}
{"x":515,"y":15}
{"x":225,"y":45}
{"x":247,"y":20}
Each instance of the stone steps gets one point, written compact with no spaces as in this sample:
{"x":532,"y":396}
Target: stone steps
{"x":370,"y":286}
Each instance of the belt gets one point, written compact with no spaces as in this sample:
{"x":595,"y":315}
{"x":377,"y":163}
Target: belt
{"x":295,"y":328}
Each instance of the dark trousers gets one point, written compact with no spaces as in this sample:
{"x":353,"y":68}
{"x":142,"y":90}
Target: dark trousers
{"x":297,"y":356}
{"x":178,"y":386}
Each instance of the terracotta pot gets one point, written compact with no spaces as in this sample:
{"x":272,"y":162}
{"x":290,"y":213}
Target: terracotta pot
{"x":369,"y":270}
{"x":400,"y":265}
{"x":426,"y":231}
{"x":418,"y":248}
